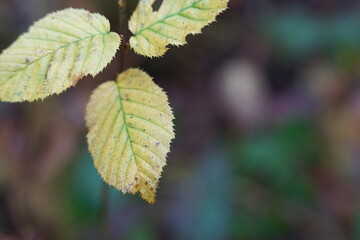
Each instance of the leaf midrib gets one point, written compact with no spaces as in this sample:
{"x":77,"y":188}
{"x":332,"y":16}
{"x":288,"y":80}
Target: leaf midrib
{"x":126,"y":130}
{"x":52,"y":52}
{"x":168,"y":16}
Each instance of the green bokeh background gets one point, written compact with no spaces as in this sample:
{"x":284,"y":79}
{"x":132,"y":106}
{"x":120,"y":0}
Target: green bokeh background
{"x":267,"y":107}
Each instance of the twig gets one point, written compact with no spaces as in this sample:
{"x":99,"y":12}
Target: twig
{"x":123,"y":33}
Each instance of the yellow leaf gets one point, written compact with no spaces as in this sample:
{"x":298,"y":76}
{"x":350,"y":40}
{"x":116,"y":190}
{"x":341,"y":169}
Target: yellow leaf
{"x":55,"y":53}
{"x":130,"y":130}
{"x":154,"y":30}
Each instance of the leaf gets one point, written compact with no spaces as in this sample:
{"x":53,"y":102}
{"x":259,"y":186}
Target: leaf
{"x":55,"y":53}
{"x":130,"y":130}
{"x":154,"y":30}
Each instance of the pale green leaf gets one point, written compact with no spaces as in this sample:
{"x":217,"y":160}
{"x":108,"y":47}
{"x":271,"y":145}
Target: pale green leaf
{"x":130,"y":130}
{"x":55,"y":53}
{"x":155,"y":30}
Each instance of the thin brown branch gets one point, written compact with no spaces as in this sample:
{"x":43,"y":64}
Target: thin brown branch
{"x":123,"y":33}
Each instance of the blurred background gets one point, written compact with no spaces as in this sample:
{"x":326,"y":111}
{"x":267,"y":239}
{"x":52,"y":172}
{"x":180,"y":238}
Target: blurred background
{"x":267,"y":106}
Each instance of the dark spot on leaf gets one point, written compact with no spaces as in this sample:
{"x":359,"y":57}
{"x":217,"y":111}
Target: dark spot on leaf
{"x":27,"y":60}
{"x":157,"y":144}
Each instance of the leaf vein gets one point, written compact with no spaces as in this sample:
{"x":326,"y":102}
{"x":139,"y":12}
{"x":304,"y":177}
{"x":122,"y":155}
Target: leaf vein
{"x":41,"y":57}
{"x":146,"y":105}
{"x":148,"y":134}
{"x":147,"y":163}
{"x":147,"y":120}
